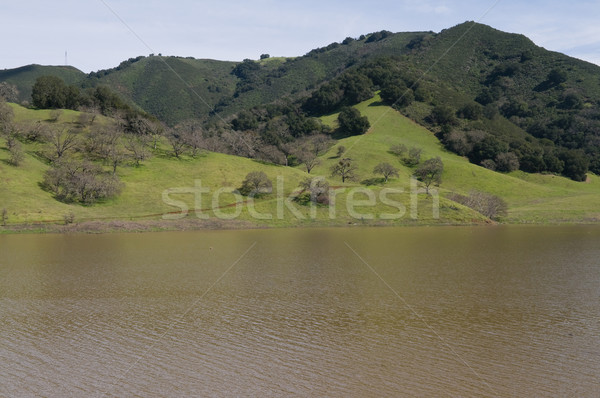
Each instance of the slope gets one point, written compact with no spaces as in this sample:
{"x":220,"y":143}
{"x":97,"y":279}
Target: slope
{"x":531,"y":198}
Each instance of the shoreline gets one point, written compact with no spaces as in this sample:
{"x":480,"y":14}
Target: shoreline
{"x":149,"y":226}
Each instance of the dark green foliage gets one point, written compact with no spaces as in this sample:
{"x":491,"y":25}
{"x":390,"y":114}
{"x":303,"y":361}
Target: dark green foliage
{"x":443,"y":114}
{"x":357,"y":88}
{"x":49,"y":92}
{"x":245,"y":120}
{"x":352,"y":123}
{"x":507,"y":162}
{"x":377,"y":36}
{"x":557,"y":76}
{"x":256,"y":184}
{"x":575,"y":164}
{"x":489,"y":95}
{"x":246,"y":70}
{"x":396,"y":93}
{"x":529,"y":94}
{"x":488,"y":148}
{"x":470,"y":111}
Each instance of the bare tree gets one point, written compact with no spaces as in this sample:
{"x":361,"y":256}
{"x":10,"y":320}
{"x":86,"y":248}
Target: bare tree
{"x":55,"y":114}
{"x":489,"y":205}
{"x":116,"y":156}
{"x":309,"y":159}
{"x":398,"y":150}
{"x":414,"y":156}
{"x":6,"y":116}
{"x":61,"y":142}
{"x":100,"y":143}
{"x":345,"y":168}
{"x":177,"y":142}
{"x":137,"y":147}
{"x":16,"y":154}
{"x":9,"y":92}
{"x":320,"y":143}
{"x":317,"y":188}
{"x":4,"y":216}
{"x":386,"y":170}
{"x":86,"y":118}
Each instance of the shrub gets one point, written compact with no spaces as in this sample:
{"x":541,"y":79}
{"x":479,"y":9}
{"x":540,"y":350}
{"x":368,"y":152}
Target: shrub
{"x":256,"y":184}
{"x":489,"y":205}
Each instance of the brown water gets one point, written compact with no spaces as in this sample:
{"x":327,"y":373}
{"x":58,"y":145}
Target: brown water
{"x":481,"y":312}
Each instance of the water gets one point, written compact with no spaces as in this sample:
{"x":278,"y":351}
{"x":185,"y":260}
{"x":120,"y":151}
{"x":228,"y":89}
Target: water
{"x":482,"y":312}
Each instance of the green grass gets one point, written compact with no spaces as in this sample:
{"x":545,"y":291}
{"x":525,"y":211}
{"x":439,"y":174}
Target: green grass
{"x":531,"y":198}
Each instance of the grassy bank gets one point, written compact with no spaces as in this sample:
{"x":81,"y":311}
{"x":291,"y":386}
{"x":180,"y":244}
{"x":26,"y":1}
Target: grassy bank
{"x":531,"y":198}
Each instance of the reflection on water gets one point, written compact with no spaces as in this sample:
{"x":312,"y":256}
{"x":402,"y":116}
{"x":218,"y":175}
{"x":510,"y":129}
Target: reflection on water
{"x":499,"y":311}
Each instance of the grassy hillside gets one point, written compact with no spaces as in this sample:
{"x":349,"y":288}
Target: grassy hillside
{"x":531,"y":198}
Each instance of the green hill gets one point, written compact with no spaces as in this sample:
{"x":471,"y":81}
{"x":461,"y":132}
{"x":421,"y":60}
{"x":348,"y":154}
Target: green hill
{"x":24,"y":77}
{"x":531,"y":198}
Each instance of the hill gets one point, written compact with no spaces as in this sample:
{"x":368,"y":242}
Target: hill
{"x":530,"y":198}
{"x":24,"y":77}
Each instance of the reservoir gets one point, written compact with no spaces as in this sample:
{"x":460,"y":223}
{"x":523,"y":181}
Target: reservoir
{"x":502,"y":311}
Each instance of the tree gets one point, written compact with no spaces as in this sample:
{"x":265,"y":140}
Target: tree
{"x":575,"y":164}
{"x":398,"y":150}
{"x":61,"y":142}
{"x":80,"y":181}
{"x":386,"y":170}
{"x":317,"y":189}
{"x":192,"y":136}
{"x":340,"y":151}
{"x":507,"y":162}
{"x":51,"y":92}
{"x":137,"y":147}
{"x":116,"y":156}
{"x":100,"y":143}
{"x":309,"y":159}
{"x":557,"y":76}
{"x":16,"y":154}
{"x":489,"y":205}
{"x":395,"y":93}
{"x":351,"y":122}
{"x":9,"y":92}
{"x":319,"y":143}
{"x":6,"y":116}
{"x":177,"y":143}
{"x":357,"y":88}
{"x":345,"y":168}
{"x":256,"y":184}
{"x":470,"y":111}
{"x":414,"y":156}
{"x":4,"y":216}
{"x":443,"y":114}
{"x":430,"y":172}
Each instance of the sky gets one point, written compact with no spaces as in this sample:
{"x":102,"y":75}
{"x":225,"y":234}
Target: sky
{"x":100,"y":34}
